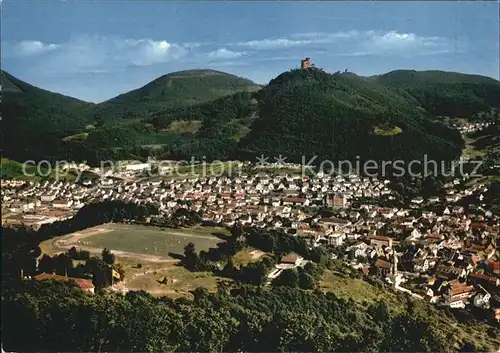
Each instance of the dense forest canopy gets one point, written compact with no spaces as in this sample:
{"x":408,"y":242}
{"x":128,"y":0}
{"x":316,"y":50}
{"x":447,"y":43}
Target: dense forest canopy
{"x":310,"y":112}
{"x":56,"y":316}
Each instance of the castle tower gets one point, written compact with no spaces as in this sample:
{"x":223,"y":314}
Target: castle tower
{"x":395,"y":267}
{"x":306,"y":63}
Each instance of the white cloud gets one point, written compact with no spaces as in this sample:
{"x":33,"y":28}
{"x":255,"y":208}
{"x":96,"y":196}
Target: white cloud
{"x":377,"y":42}
{"x":359,"y":43}
{"x":92,"y":54}
{"x":224,"y":53}
{"x":145,"y":52}
{"x":29,"y":48}
{"x":297,"y":39}
{"x":270,"y":43}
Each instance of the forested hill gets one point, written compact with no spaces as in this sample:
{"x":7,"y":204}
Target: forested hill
{"x":310,"y":112}
{"x":221,"y":116}
{"x":446,"y":93}
{"x":173,"y":91}
{"x":33,"y":117}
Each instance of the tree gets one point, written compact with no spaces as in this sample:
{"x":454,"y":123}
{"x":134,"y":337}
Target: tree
{"x":108,"y":257}
{"x":374,"y":271}
{"x":46,"y":264}
{"x":379,"y":311}
{"x":411,"y":332}
{"x":99,"y":121}
{"x":229,"y":269}
{"x":287,"y":278}
{"x":72,"y":253}
{"x":191,"y":259}
{"x":468,"y":347}
{"x":101,"y":272}
{"x":236,"y":231}
{"x":306,"y":281}
{"x":254,"y":273}
{"x":63,"y":264}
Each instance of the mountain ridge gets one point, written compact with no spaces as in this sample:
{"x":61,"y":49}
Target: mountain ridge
{"x":235,"y":118}
{"x":180,"y":72}
{"x":174,"y":90}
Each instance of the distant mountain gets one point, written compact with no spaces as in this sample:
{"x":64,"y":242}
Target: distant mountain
{"x":33,"y":118}
{"x":413,"y":78}
{"x":173,"y":91}
{"x":446,"y":93}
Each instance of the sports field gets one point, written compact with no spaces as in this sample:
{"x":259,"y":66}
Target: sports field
{"x":142,"y":242}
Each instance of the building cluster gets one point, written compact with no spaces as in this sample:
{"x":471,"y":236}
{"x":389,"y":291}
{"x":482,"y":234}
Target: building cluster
{"x":250,"y":200}
{"x":449,"y":258}
{"x":435,"y":248}
{"x":439,"y":251}
{"x":470,"y":127}
{"x":33,"y":203}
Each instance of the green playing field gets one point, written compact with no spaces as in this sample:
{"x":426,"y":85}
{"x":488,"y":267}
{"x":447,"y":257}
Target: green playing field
{"x":155,"y":241}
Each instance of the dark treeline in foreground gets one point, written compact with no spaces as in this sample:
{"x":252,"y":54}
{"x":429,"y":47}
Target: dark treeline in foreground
{"x":48,"y":316}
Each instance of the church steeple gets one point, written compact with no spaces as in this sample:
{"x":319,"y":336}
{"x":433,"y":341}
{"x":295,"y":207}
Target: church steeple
{"x":395,"y":267}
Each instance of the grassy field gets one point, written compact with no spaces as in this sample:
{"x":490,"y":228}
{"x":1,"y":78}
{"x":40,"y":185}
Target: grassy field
{"x":150,"y":274}
{"x":179,"y":281}
{"x":14,"y":170}
{"x":479,"y":143}
{"x":470,"y":151}
{"x":246,"y":256}
{"x":155,"y":241}
{"x":138,"y":242}
{"x":357,"y":289}
{"x":183,"y":126}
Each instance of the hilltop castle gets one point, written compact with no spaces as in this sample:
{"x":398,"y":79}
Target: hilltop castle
{"x":305,"y":64}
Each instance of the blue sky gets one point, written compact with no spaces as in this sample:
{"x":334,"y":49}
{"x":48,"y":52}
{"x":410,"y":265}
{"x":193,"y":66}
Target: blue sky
{"x":95,"y":50}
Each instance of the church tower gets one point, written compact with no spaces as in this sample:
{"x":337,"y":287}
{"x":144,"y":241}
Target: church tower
{"x":395,"y":267}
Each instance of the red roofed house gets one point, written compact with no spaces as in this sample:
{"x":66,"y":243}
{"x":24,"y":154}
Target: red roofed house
{"x":493,"y":266}
{"x":459,"y":291}
{"x":302,"y":201}
{"x":385,"y":267}
{"x":83,"y":284}
{"x":478,"y":225}
{"x":380,"y":241}
{"x":290,"y":261}
{"x":478,"y":278}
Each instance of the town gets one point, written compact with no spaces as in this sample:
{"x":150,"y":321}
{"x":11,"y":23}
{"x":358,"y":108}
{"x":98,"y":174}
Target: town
{"x":431,"y":248}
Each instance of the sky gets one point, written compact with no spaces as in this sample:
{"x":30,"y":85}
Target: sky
{"x":95,"y":50}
